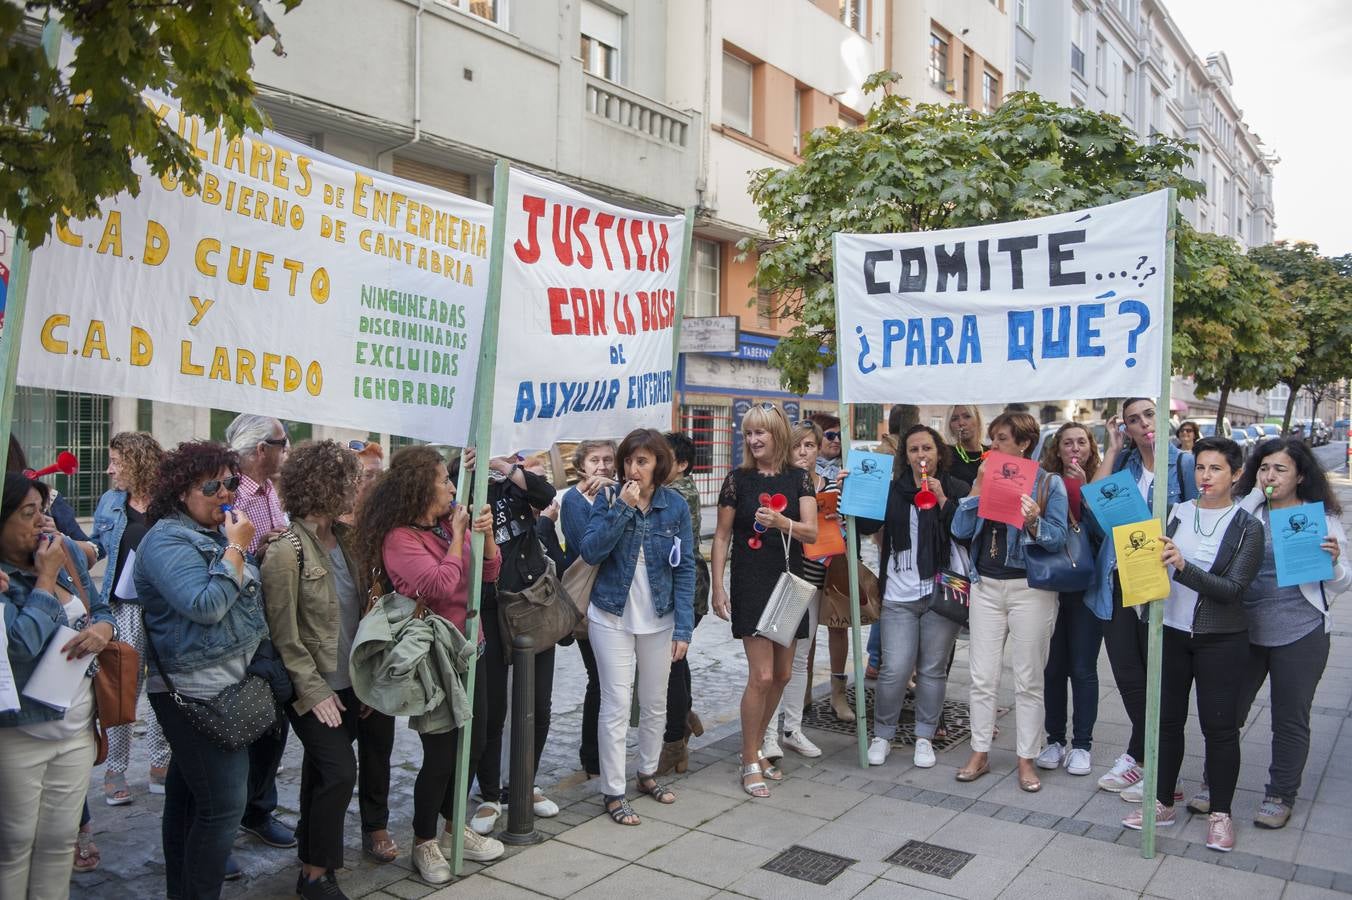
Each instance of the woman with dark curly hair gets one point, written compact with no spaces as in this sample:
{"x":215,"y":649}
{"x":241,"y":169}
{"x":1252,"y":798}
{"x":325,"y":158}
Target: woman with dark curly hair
{"x":412,"y":530}
{"x":313,"y":591}
{"x":134,"y":459}
{"x":201,"y":598}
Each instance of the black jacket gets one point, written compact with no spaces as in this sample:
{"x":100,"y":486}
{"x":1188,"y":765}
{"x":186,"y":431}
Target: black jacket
{"x":1220,"y":589}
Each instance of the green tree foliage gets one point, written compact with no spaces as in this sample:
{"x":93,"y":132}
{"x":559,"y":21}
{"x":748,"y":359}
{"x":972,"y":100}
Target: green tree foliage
{"x":1233,"y":329}
{"x":926,"y":167}
{"x":93,"y":124}
{"x":1319,"y":289}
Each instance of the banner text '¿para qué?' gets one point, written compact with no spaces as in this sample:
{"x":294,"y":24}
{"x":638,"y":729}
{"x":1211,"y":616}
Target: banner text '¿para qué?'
{"x":628,"y":244}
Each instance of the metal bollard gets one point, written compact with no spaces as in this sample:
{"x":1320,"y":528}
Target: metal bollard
{"x":521,"y":796}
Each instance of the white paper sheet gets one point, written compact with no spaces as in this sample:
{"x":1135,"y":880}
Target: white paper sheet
{"x":9,"y":694}
{"x":125,"y":589}
{"x":57,"y":681}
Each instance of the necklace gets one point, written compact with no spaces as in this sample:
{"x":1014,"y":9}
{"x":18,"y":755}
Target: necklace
{"x":963,"y":454}
{"x":1197,"y":520}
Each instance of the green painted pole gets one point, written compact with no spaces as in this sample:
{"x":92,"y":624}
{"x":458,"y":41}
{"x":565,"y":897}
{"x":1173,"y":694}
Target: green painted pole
{"x":851,"y":542}
{"x":682,"y":286}
{"x":483,"y":431}
{"x":1154,"y":648}
{"x":22,"y":265}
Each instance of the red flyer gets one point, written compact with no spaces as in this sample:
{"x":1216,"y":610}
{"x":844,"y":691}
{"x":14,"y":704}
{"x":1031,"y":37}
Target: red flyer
{"x":1006,"y":478}
{"x":1073,"y":496}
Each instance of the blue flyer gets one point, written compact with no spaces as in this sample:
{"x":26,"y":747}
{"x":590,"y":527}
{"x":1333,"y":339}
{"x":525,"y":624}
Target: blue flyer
{"x":1115,"y":501}
{"x":865,"y":492}
{"x":1297,"y":532}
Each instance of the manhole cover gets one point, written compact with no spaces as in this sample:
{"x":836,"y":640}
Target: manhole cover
{"x":931,"y":859}
{"x":956,"y":721}
{"x":808,"y":865}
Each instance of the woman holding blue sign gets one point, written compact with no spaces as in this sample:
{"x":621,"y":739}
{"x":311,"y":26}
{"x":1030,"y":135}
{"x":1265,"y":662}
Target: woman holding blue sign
{"x":1131,"y":451}
{"x":1289,"y":622}
{"x":1005,"y":609}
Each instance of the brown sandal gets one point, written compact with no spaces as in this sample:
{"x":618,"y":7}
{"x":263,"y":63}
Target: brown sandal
{"x":87,"y":856}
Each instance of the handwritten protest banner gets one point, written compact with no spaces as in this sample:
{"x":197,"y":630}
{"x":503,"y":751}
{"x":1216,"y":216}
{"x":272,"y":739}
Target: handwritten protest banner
{"x":290,"y":283}
{"x":1012,"y":312}
{"x":589,"y":305}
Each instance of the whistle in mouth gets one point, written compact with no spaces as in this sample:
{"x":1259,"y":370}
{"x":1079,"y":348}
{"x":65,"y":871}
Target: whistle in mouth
{"x":1268,"y":491}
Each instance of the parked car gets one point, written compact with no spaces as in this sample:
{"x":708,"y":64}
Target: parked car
{"x":1240,"y":436}
{"x":1271,"y":430}
{"x":1207,"y":427}
{"x":1342,"y":430}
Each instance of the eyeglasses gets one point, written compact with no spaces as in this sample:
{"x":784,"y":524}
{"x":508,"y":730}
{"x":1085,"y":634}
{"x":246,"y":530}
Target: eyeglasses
{"x":831,"y":435}
{"x":213,"y":487}
{"x":355,"y":445}
{"x":276,"y":442}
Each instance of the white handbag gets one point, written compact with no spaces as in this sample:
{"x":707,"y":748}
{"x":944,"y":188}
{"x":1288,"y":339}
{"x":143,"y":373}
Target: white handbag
{"x":787,"y":604}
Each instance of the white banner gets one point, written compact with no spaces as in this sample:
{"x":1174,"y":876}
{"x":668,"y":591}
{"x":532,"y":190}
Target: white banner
{"x":1042,"y":309}
{"x":589,"y":300}
{"x":291,"y":284}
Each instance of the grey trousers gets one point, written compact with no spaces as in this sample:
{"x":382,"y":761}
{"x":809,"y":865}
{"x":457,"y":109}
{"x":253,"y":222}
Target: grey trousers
{"x":914,"y":640}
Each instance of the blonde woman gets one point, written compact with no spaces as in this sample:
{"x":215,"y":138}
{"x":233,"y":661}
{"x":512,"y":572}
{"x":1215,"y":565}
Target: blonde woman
{"x":758,"y":559}
{"x":965,"y":427}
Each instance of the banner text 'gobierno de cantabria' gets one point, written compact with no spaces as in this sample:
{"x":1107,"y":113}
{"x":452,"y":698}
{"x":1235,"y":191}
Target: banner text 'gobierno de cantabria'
{"x":1066,"y":305}
{"x":589,"y":300}
{"x":289,"y":283}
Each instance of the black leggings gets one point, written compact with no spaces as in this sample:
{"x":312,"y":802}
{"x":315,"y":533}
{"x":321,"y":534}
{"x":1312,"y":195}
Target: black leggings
{"x":434,"y":790}
{"x":1217,"y":663}
{"x":679,"y":698}
{"x":495,"y":660}
{"x":587,"y":752}
{"x":1125,"y":636}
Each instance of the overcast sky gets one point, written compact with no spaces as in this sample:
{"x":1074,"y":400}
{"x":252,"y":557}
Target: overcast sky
{"x":1292,"y":64}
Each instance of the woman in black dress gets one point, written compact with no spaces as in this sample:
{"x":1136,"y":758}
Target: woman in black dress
{"x":758,"y":559}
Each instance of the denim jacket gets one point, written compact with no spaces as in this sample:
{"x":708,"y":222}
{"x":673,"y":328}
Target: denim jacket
{"x":1051,"y":524}
{"x":196,"y":612}
{"x":31,"y":619}
{"x":614,"y":534}
{"x":110,"y":521}
{"x":1099,"y":597}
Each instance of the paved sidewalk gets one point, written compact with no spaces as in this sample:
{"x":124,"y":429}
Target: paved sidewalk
{"x":1065,"y":841}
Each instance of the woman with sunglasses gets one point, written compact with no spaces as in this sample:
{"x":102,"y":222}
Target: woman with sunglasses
{"x":642,"y":610}
{"x":1288,"y":625}
{"x":964,"y":427}
{"x":1188,"y":434}
{"x":202,"y":600}
{"x":767,"y":510}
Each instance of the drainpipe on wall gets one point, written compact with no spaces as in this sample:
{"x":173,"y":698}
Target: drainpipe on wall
{"x":381,"y":155}
{"x":702,"y":184}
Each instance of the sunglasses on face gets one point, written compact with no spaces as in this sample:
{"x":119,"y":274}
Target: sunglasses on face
{"x":356,"y":445}
{"x":213,"y":487}
{"x":831,"y":435}
{"x":276,"y":442}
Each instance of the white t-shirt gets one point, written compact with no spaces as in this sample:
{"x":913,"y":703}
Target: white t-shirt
{"x":640,"y":615}
{"x":903,"y":577}
{"x":1199,"y":548}
{"x":1145,"y":483}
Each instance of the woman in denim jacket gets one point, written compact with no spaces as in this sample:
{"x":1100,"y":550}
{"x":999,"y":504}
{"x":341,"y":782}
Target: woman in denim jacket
{"x":119,"y":524}
{"x":1124,"y":633}
{"x":642,"y":609}
{"x":47,"y":752}
{"x":1004,"y":608}
{"x":203,"y":608}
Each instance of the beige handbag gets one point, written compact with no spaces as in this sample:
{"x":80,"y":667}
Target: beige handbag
{"x":578,"y":582}
{"x":787,"y":604}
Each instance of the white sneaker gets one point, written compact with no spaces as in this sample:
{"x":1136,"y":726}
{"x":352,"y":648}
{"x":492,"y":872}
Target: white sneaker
{"x":770,"y":748}
{"x":798,"y":743}
{"x":485,"y":818}
{"x":1051,"y":756}
{"x":878,"y":749}
{"x":477,"y":847}
{"x":1134,"y":794}
{"x":924,"y":753}
{"x":543,"y":806}
{"x":1078,"y":762}
{"x":1122,"y":775}
{"x":430,"y":864}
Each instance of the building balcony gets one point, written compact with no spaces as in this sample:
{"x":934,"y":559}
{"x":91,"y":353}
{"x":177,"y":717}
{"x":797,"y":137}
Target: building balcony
{"x":1023,"y":49}
{"x":637,"y":144}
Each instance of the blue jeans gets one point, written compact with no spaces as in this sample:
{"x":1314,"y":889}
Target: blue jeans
{"x":917,"y":640}
{"x":204,"y":797}
{"x":875,"y":645}
{"x":1073,"y":657}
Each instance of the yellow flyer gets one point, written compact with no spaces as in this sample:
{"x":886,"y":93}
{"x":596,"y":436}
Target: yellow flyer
{"x":1144,"y":577}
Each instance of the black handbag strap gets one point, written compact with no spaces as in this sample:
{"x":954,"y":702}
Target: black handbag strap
{"x":155,"y":657}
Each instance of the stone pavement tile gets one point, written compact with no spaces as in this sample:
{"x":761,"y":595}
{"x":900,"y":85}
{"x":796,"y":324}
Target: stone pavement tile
{"x":1331,"y":789}
{"x":983,"y":878}
{"x":555,"y":869}
{"x":1278,"y":845}
{"x":882,"y":889}
{"x":863,"y":844}
{"x":481,"y":887}
{"x":811,"y":798}
{"x":774,"y":886}
{"x":408,"y":889}
{"x":707,"y":858}
{"x":1186,"y":879}
{"x":1097,"y":861}
{"x":1296,"y":891}
{"x":1057,"y":795}
{"x":623,"y":841}
{"x":940,"y":778}
{"x":757,"y":823}
{"x":693,"y":807}
{"x":1276,"y":868}
{"x":992,"y":837}
{"x":1039,"y":884}
{"x":636,"y":881}
{"x":719,"y":778}
{"x":1103,"y":808}
{"x":897,"y":817}
{"x":1330,"y":818}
